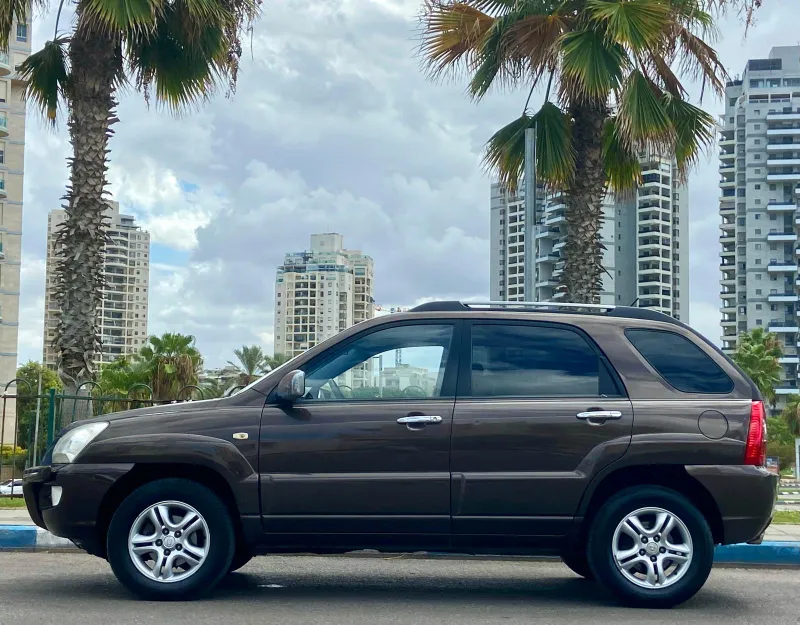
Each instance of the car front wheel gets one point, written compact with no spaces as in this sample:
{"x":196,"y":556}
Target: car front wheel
{"x":651,"y":547}
{"x":171,"y":539}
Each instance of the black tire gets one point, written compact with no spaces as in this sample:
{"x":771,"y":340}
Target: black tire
{"x":220,"y":528}
{"x":604,"y":567}
{"x":578,"y":563}
{"x":240,"y":558}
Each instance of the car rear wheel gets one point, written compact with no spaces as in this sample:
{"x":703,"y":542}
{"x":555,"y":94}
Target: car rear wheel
{"x":651,"y":547}
{"x":171,"y":539}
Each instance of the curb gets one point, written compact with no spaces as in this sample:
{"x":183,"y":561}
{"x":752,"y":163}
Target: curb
{"x":32,"y":538}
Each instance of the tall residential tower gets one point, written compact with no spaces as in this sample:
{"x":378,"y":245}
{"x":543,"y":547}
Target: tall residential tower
{"x":12,"y":157}
{"x":759,"y":189}
{"x":642,"y":234}
{"x":123,"y":312}
{"x":320,"y":292}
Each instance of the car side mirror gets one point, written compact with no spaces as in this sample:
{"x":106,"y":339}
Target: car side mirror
{"x":292,"y":386}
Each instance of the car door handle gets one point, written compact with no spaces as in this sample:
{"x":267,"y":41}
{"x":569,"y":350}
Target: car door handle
{"x":598,"y":417}
{"x":419,"y":420}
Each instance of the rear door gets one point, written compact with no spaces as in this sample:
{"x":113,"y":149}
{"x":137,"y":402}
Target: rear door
{"x":539,"y":411}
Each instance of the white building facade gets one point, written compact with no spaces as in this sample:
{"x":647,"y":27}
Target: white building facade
{"x":320,"y":292}
{"x":12,"y":166}
{"x":642,"y":235}
{"x":759,"y":152}
{"x":122,"y":316}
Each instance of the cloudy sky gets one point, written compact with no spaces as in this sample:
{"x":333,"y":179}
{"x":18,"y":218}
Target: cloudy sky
{"x":333,"y":128}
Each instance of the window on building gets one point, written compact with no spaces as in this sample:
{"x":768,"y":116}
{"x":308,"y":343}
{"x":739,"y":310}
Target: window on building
{"x":773,"y":246}
{"x":757,"y":112}
{"x":772,"y":187}
{"x":758,"y":291}
{"x":758,"y":306}
{"x":22,"y":32}
{"x":756,"y":126}
{"x":757,"y":216}
{"x":757,"y":157}
{"x":758,"y":246}
{"x":536,"y":361}
{"x":757,"y":261}
{"x":757,"y":187}
{"x":758,"y":276}
{"x":758,"y":230}
{"x":773,"y":307}
{"x":757,"y":141}
{"x":756,"y":201}
{"x":759,"y":322}
{"x":680,"y":362}
{"x":773,"y":218}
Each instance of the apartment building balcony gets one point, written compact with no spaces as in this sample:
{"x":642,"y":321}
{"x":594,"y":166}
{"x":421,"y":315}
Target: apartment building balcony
{"x":777,"y":161}
{"x":727,"y":237}
{"x":785,"y":326}
{"x":549,"y":282}
{"x":786,"y":390}
{"x":547,"y":233}
{"x":727,"y":195}
{"x":3,"y":126}
{"x":727,"y":168}
{"x":789,"y":360}
{"x":787,"y":236}
{"x":554,"y":220}
{"x":782,"y":207}
{"x":727,"y":156}
{"x":728,"y":252}
{"x":788,"y":116}
{"x":727,"y":184}
{"x":728,"y":323}
{"x":784,"y":177}
{"x":788,"y":296}
{"x":784,"y":132}
{"x":548,"y":258}
{"x":725,"y":142}
{"x":3,"y":193}
{"x":5,"y":64}
{"x":781,"y":266}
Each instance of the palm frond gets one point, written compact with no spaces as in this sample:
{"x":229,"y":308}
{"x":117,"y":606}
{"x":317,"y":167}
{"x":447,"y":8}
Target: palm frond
{"x":622,"y":166}
{"x":592,"y":65}
{"x":699,"y":61}
{"x":694,"y":131}
{"x":555,"y":156}
{"x":635,"y":23}
{"x":47,"y":76}
{"x":505,"y":152}
{"x":536,"y":42}
{"x":660,"y":72}
{"x":642,"y":118}
{"x":451,"y":33}
{"x":113,"y":16}
{"x":182,"y":59}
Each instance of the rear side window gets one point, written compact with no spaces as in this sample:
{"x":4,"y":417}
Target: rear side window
{"x":680,"y":362}
{"x":536,"y":361}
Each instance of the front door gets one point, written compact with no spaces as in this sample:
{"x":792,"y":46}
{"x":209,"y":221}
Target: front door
{"x":539,"y":412}
{"x":367,"y":450}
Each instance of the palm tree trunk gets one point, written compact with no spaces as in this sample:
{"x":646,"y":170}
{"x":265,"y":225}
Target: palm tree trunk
{"x":95,"y":62}
{"x":582,"y":278}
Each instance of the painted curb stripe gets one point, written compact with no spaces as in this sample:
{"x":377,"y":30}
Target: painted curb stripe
{"x":30,"y":537}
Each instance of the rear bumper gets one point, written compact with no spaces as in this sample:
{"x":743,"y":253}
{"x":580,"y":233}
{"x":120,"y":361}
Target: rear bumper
{"x":83,"y":489}
{"x":745,"y":497}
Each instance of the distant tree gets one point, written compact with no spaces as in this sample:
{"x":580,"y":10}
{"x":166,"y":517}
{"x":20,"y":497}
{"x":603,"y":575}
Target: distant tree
{"x":252,"y":363}
{"x":275,"y":361}
{"x":172,"y":363}
{"x":757,"y":353}
{"x":791,"y":417}
{"x":26,"y":404}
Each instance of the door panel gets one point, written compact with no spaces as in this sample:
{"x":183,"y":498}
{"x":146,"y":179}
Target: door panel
{"x":521,"y":466}
{"x":350,"y":467}
{"x":523,"y":448}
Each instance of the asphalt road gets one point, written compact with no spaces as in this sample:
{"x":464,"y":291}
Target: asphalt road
{"x":66,"y":589}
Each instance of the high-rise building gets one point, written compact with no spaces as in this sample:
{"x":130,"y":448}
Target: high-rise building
{"x":642,"y":234}
{"x":12,"y":157}
{"x":759,"y":170}
{"x":320,"y":292}
{"x":122,"y":316}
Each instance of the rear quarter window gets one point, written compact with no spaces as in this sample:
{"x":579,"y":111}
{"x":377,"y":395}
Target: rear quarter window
{"x":680,"y":362}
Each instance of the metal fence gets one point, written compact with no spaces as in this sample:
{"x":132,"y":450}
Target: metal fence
{"x":29,"y":421}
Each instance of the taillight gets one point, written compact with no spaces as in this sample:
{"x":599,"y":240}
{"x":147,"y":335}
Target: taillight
{"x":755,"y":452}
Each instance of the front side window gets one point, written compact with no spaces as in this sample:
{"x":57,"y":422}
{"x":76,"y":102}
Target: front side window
{"x":680,"y":362}
{"x":399,"y":362}
{"x":535,"y":361}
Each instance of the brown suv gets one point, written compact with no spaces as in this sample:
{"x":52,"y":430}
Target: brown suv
{"x":617,"y":438}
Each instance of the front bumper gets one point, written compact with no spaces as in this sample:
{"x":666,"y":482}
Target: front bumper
{"x":745,"y":497}
{"x":83,"y":490}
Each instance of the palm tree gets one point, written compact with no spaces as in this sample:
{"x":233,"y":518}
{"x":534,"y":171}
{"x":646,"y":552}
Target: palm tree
{"x":176,"y":51}
{"x":610,"y":94}
{"x":791,"y":414}
{"x":757,"y":353}
{"x":275,"y":361}
{"x":172,"y":362}
{"x":252,"y":363}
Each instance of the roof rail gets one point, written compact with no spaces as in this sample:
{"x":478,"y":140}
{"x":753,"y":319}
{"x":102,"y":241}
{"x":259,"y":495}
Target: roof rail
{"x":541,"y":306}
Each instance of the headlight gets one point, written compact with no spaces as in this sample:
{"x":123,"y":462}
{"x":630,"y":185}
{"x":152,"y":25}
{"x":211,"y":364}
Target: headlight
{"x":72,"y":443}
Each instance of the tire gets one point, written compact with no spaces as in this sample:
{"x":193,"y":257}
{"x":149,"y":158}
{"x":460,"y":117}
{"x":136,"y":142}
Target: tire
{"x":240,"y":558}
{"x":688,"y":533}
{"x":209,"y":542}
{"x":578,"y":563}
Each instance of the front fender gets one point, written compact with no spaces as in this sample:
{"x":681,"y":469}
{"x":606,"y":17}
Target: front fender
{"x":187,"y":449}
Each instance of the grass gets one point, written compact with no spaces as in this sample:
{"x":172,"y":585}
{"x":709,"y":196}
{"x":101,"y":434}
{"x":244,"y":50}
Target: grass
{"x":790,"y":517}
{"x":9,"y":503}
